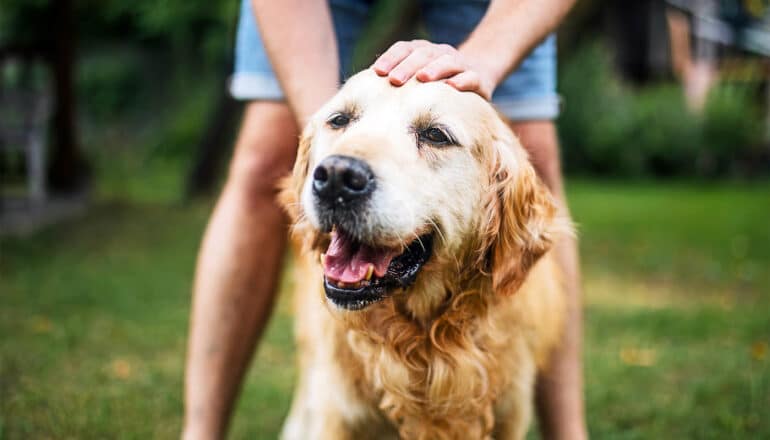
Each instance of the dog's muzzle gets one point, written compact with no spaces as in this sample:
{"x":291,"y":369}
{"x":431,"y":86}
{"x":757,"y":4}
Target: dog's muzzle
{"x":358,"y":271}
{"x":342,"y":190}
{"x":342,"y":180}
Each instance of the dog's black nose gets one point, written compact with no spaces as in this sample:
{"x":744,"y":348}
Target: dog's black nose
{"x":342,"y":179}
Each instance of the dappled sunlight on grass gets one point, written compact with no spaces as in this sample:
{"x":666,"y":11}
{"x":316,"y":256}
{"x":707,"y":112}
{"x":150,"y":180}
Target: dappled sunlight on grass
{"x":607,"y":291}
{"x":664,"y":360}
{"x":93,"y":319}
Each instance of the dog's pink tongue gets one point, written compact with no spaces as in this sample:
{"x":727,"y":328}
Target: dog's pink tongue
{"x":348,"y":262}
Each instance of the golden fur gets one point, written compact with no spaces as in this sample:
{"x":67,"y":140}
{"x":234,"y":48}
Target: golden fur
{"x":456,"y":354}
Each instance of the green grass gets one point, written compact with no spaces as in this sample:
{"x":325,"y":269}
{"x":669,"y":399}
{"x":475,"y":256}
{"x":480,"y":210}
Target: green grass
{"x":93,"y":319}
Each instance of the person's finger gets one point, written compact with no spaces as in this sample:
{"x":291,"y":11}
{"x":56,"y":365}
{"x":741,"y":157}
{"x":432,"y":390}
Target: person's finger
{"x":467,"y":81}
{"x":394,"y":55}
{"x":411,"y":64}
{"x":443,"y":67}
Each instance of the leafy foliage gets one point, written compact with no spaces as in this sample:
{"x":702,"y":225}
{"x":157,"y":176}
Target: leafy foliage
{"x":187,"y":26}
{"x":608,"y":128}
{"x":733,"y":131}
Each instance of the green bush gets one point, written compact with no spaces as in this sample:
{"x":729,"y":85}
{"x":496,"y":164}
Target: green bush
{"x":733,"y":132}
{"x":110,"y":83}
{"x":665,"y":134}
{"x":609,"y":128}
{"x":596,"y":115}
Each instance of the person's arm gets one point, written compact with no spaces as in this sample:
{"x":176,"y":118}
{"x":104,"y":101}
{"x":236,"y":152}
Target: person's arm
{"x":504,"y":37}
{"x":509,"y":30}
{"x":679,"y":38}
{"x":299,"y":39}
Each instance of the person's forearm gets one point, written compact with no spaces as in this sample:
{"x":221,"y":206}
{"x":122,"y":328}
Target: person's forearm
{"x":509,"y":30}
{"x":300,"y":41}
{"x":679,"y":38}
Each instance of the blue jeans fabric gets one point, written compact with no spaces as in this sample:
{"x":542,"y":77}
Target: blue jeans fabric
{"x":529,"y":93}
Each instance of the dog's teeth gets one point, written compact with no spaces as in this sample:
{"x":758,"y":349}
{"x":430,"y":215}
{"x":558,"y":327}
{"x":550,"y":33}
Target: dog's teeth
{"x":342,"y":285}
{"x":322,"y":258}
{"x":369,"y":272}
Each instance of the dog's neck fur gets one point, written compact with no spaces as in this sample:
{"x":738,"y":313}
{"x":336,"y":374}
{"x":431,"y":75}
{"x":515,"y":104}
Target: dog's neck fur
{"x":426,"y":359}
{"x":427,"y":300}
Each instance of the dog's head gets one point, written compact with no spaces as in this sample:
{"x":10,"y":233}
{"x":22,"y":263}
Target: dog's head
{"x":391,"y":182}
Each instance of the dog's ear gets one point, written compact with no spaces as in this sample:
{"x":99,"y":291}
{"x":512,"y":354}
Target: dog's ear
{"x":290,"y":187}
{"x":522,"y":219}
{"x":290,"y":195}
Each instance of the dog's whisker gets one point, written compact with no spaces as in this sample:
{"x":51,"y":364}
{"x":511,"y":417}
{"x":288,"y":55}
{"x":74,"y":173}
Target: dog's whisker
{"x":300,"y":218}
{"x":411,"y":214}
{"x":444,"y":241}
{"x":438,"y":230}
{"x":403,"y":203}
{"x":418,"y":239}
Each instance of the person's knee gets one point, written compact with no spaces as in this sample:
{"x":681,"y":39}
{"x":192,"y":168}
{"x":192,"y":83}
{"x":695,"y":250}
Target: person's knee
{"x":256,"y":173}
{"x":546,"y":160}
{"x":541,"y":141}
{"x":264,"y":152}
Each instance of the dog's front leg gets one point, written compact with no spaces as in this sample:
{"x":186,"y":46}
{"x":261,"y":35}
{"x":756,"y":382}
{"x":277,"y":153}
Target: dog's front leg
{"x":324,"y":406}
{"x":513,"y":411}
{"x":308,"y":424}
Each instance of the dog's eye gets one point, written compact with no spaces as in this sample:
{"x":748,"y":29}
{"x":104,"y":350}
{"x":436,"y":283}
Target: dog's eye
{"x":435,"y":136}
{"x":338,"y":120}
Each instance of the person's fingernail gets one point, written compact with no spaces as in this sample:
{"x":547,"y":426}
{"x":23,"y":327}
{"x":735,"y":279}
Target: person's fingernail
{"x":381,"y":66}
{"x":456,"y":85}
{"x":398,"y":78}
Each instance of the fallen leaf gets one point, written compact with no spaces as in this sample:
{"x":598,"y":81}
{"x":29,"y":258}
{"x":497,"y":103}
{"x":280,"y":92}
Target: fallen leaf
{"x":121,"y":369}
{"x":759,"y":350}
{"x":41,"y":324}
{"x":640,"y":357}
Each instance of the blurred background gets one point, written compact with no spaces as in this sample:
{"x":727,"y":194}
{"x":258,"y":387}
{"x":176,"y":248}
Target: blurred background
{"x":116,"y":127}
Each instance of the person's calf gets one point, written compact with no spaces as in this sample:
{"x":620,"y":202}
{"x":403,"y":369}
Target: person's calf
{"x":560,"y":388}
{"x":237,"y":269}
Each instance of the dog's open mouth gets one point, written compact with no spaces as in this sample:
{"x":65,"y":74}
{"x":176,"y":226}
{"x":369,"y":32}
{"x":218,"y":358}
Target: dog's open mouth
{"x":357,"y":275}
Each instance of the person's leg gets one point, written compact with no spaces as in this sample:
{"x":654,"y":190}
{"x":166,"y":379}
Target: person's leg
{"x":560,"y":389}
{"x":240,"y":257}
{"x":238,"y":268}
{"x":696,"y":67}
{"x":528,"y":99}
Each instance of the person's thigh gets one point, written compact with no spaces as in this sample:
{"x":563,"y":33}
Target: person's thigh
{"x":266,"y":144}
{"x":265,"y":149}
{"x":529,"y":93}
{"x":253,"y":77}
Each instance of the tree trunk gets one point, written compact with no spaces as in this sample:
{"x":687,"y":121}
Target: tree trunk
{"x":213,"y":146}
{"x":68,"y":170}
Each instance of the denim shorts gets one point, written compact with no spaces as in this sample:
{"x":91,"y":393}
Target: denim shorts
{"x":529,"y":93}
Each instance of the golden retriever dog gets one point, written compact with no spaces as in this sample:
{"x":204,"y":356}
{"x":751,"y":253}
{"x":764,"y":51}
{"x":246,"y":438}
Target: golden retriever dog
{"x":426,"y":298}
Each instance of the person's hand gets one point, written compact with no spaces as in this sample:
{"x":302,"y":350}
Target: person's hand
{"x":433,"y":62}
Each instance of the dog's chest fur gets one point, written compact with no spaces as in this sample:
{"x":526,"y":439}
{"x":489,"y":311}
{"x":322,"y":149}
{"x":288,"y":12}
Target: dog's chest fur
{"x":441,"y":378}
{"x":469,"y":373}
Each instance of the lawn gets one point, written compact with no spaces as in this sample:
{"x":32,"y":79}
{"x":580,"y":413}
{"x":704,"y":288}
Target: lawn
{"x":93,"y":319}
